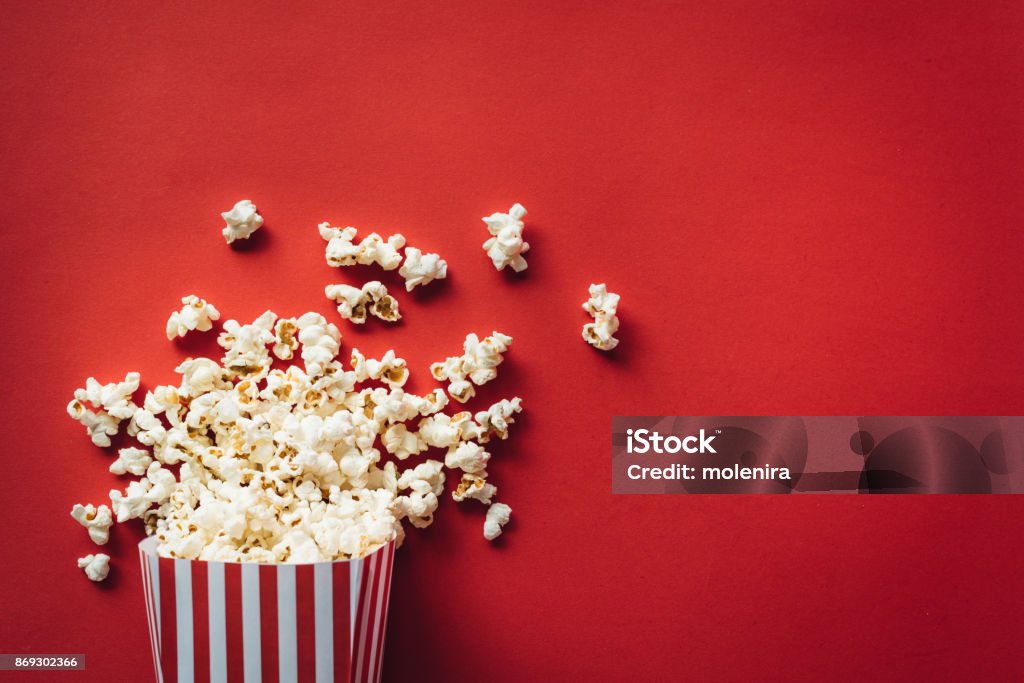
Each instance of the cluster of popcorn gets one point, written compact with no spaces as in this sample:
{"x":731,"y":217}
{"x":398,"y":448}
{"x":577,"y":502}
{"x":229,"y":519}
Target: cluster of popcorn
{"x":506,"y":246}
{"x":355,"y":303}
{"x":602,"y":306}
{"x":242,"y":460}
{"x":418,"y":268}
{"x":477,"y":365}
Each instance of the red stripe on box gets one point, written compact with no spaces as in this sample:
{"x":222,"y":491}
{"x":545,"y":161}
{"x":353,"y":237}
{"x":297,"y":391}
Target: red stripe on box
{"x":305,"y":622}
{"x":268,"y":622}
{"x":168,"y":621}
{"x":233,"y":616}
{"x":200,"y":622}
{"x":342,"y":612}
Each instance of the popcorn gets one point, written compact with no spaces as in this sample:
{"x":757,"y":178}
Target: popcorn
{"x":498,"y":515}
{"x":115,"y":398}
{"x":401,"y":443}
{"x":341,"y":251}
{"x":477,"y":365}
{"x":242,"y":461}
{"x":354,"y":303}
{"x":242,"y":221}
{"x":425,"y":483}
{"x":473,"y":487}
{"x":96,"y":566}
{"x":602,"y":305}
{"x":389,"y":369}
{"x":133,"y":502}
{"x":320,"y":342}
{"x":495,"y":420}
{"x":506,"y":246}
{"x":285,"y":340}
{"x":195,"y":314}
{"x":246,"y":345}
{"x":421,"y":269}
{"x":132,"y":460}
{"x":96,"y":520}
{"x":467,"y":456}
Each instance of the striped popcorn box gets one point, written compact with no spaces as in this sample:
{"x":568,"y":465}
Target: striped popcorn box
{"x":217,"y":621}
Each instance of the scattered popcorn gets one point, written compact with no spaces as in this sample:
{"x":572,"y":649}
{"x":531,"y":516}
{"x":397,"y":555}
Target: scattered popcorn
{"x":421,"y":269}
{"x":96,"y":520}
{"x":285,"y":340}
{"x":477,"y":365}
{"x":195,"y":314}
{"x":342,"y":251}
{"x":354,"y":303}
{"x":602,"y":305}
{"x":506,"y":246}
{"x":242,"y":221}
{"x":474,"y":487}
{"x":498,"y":515}
{"x":425,"y":483}
{"x":96,"y":566}
{"x":495,"y":420}
{"x":245,"y":346}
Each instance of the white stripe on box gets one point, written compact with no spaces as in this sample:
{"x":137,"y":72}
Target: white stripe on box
{"x":154,"y":574}
{"x":355,"y":568}
{"x":378,"y":602}
{"x":323,"y":597}
{"x":218,"y":622}
{"x":251,"y":646}
{"x":183,"y":616}
{"x":287,"y":633}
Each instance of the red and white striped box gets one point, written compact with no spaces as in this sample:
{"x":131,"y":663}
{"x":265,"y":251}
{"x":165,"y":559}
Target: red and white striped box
{"x":217,"y":621}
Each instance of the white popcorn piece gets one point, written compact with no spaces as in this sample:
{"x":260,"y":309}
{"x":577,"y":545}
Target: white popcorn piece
{"x":245,"y":346}
{"x":241,"y":221}
{"x":320,"y":341}
{"x":96,"y":520}
{"x":342,"y":251}
{"x":133,"y":502}
{"x":285,"y":338}
{"x":98,"y":425}
{"x":131,"y":461}
{"x":425,"y":483}
{"x":354,"y":303}
{"x":602,"y":305}
{"x":195,"y":314}
{"x":498,"y":515}
{"x":506,"y":246}
{"x":477,"y":365}
{"x":401,"y":443}
{"x":467,"y":456}
{"x":494,"y":421}
{"x":474,"y":487}
{"x":421,"y":269}
{"x":96,"y":567}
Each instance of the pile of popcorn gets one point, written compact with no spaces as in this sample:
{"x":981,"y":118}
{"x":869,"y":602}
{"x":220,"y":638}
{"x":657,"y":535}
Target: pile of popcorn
{"x":257,"y":457}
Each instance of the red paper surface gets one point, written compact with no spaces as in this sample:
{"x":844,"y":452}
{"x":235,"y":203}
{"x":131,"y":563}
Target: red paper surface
{"x":807,"y":208}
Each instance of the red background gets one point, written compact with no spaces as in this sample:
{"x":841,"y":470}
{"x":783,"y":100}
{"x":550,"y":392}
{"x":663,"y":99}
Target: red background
{"x":807,"y":210}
